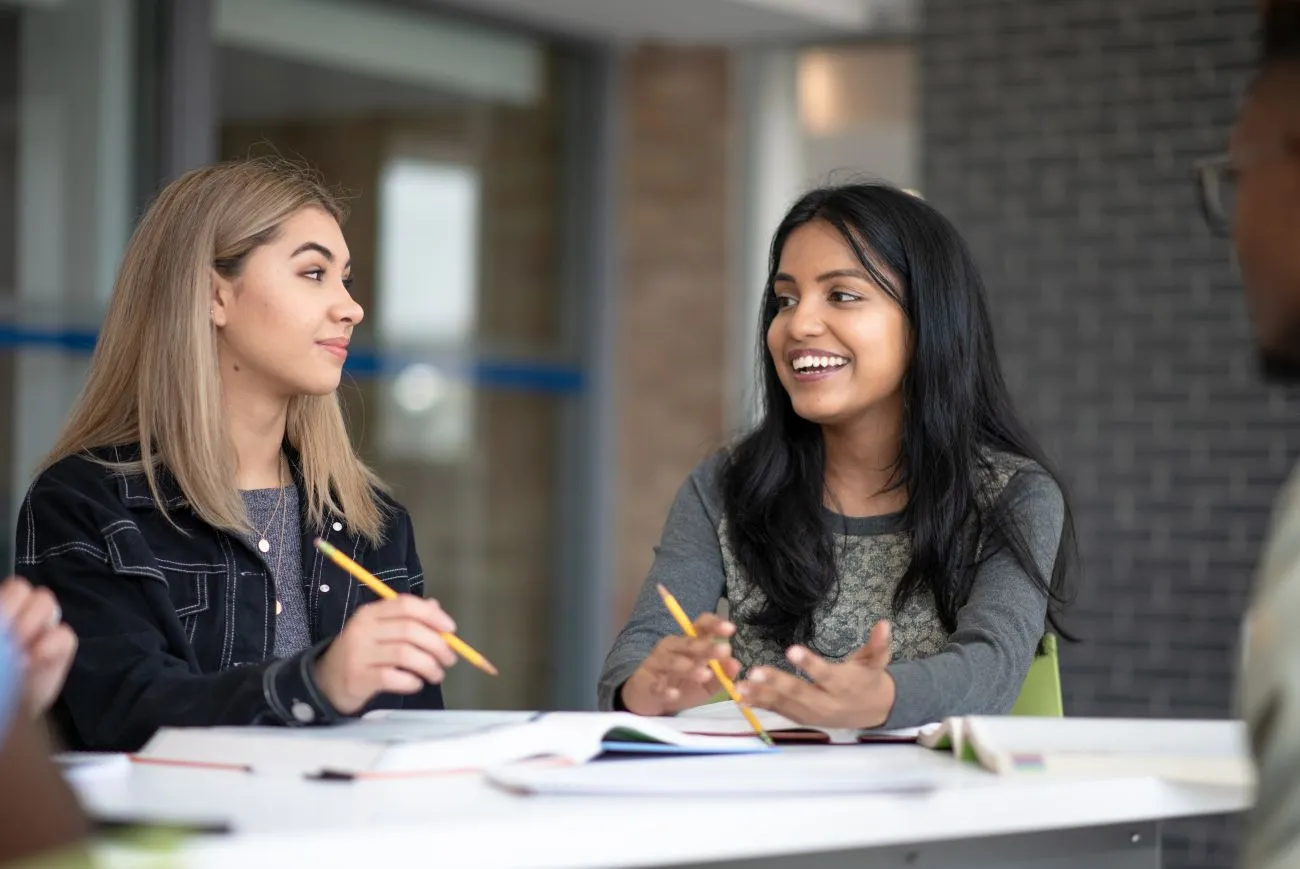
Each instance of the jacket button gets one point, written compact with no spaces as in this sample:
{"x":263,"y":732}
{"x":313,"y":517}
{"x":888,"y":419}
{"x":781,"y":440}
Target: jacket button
{"x":303,"y":712}
{"x":338,"y":526}
{"x":325,"y":588}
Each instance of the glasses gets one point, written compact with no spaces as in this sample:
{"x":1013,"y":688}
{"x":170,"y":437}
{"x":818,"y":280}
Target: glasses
{"x":1217,"y":178}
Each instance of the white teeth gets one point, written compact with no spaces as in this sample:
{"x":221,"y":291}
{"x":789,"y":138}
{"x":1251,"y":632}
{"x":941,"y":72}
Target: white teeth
{"x":803,"y":363}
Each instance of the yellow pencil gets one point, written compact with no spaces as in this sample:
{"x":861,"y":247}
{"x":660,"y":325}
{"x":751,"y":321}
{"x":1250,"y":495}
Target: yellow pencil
{"x":368,"y":579}
{"x":682,"y":619}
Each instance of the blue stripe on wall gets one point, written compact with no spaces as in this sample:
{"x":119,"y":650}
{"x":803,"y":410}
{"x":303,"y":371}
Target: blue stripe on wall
{"x":521,"y":375}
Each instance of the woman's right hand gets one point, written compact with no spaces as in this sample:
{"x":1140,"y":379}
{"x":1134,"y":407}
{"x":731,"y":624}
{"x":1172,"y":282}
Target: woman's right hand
{"x":387,"y":646}
{"x":676,"y":674}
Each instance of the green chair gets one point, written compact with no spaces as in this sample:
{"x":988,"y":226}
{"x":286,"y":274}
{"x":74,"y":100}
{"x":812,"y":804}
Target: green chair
{"x":1041,"y":693}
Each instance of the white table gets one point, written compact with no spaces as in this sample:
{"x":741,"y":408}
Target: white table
{"x":973,"y":819}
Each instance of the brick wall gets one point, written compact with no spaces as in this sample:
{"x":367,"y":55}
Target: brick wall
{"x":672,"y":331}
{"x":1059,"y":136}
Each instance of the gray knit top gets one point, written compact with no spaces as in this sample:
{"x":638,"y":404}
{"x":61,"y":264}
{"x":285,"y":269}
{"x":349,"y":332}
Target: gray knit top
{"x":276,"y":515}
{"x":978,"y":668}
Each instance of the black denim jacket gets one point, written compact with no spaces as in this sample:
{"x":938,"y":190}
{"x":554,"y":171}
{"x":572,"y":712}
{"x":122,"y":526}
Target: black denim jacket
{"x":177,"y":627}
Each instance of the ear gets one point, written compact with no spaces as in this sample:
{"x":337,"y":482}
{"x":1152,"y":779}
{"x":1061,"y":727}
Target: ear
{"x":223,"y":293}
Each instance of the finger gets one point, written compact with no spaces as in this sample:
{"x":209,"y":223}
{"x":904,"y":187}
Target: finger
{"x":818,"y":668}
{"x":665,"y":688}
{"x":686,"y":669}
{"x":699,"y":650}
{"x":417,"y":635}
{"x":708,"y":625}
{"x":14,"y":592}
{"x":731,"y":667}
{"x":877,"y":651}
{"x":39,"y":614}
{"x":786,"y":695}
{"x":397,"y":681}
{"x":408,"y":606}
{"x":55,"y":649}
{"x":410,"y":659}
{"x":439,"y":620}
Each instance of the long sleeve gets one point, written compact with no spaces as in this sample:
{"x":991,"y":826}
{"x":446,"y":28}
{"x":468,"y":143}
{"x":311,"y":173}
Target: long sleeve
{"x":134,"y":671}
{"x":983,"y":665}
{"x":688,"y":562}
{"x":1268,"y":693}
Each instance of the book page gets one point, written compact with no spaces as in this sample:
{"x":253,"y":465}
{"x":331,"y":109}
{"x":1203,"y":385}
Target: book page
{"x":725,"y":719}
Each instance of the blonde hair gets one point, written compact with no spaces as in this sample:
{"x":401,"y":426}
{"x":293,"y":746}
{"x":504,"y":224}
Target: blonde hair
{"x":154,"y":377}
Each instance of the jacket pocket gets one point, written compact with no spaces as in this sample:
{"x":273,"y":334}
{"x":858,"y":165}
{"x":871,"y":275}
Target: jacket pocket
{"x":189,"y":585}
{"x":397,"y":578}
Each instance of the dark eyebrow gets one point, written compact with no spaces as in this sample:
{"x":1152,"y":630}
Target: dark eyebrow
{"x":320,"y":249}
{"x":829,"y":276}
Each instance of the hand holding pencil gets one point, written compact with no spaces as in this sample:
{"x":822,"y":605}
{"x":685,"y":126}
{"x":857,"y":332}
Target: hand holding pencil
{"x":684,"y":671}
{"x":397,"y":644}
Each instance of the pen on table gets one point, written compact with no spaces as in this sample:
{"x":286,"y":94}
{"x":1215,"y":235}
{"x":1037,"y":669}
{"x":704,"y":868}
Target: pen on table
{"x":368,"y":579}
{"x":680,"y":615}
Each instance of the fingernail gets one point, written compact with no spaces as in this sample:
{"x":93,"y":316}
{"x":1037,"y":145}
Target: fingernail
{"x":743,"y":690}
{"x":56,"y":616}
{"x":758,"y":676}
{"x":795,"y":654}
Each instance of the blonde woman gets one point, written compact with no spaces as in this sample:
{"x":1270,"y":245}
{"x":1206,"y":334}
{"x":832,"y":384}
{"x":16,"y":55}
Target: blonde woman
{"x":173,"y":519}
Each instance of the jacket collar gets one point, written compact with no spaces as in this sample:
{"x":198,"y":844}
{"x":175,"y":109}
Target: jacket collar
{"x":134,"y":488}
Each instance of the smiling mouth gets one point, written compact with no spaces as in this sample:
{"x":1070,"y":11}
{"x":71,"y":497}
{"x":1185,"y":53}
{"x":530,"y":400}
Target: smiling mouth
{"x":810,"y":367}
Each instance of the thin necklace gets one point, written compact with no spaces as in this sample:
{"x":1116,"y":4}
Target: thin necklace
{"x":263,"y":544}
{"x":275,"y":574}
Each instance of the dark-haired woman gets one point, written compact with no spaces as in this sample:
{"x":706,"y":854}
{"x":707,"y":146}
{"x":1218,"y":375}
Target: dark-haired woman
{"x":890,"y":543}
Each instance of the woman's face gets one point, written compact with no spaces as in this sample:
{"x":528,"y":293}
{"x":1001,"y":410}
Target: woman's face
{"x":284,"y":323}
{"x":839,"y":341}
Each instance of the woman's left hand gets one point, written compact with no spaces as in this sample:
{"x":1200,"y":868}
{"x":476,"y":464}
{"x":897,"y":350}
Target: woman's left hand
{"x":33,"y":618}
{"x":857,"y":693}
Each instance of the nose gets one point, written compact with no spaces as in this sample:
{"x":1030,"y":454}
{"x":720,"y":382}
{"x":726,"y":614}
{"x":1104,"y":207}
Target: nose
{"x":347,"y":310}
{"x":806,"y":319}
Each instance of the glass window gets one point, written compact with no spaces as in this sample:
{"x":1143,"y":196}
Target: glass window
{"x":67,"y":136}
{"x":448,"y":139}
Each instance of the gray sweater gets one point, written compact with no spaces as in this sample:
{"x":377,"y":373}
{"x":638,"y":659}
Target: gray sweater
{"x":978,"y":669}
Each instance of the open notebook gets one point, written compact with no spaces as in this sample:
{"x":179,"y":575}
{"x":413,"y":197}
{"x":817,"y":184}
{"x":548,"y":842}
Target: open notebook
{"x":395,"y":743}
{"x":1209,"y":752}
{"x":725,"y":719}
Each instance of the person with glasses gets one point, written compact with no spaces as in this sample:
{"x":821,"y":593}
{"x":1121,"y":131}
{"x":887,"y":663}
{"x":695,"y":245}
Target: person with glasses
{"x":1252,"y":193}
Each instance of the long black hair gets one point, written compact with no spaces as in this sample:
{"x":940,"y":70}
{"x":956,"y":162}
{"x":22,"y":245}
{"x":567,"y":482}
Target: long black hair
{"x":956,"y":412}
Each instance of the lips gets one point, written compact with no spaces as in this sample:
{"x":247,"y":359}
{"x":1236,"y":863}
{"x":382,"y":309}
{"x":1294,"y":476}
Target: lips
{"x":337,"y":346}
{"x":815,"y":363}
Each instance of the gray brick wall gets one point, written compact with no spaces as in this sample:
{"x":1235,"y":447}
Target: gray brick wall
{"x":1059,"y":136}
